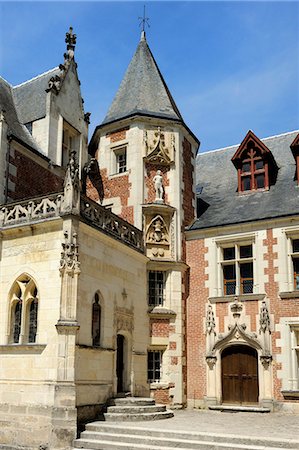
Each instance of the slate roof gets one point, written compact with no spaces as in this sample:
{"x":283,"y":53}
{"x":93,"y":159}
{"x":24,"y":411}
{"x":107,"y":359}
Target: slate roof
{"x":143,"y":90}
{"x":30,"y":96}
{"x":15,"y":127}
{"x":219,"y":202}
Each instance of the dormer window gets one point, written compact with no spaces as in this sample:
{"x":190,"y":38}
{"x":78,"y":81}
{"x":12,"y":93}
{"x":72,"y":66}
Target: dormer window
{"x":255,"y":165}
{"x":70,"y":141}
{"x":295,"y":150}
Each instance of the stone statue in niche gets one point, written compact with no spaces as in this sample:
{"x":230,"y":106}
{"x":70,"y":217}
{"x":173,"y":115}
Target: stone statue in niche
{"x":159,"y":188}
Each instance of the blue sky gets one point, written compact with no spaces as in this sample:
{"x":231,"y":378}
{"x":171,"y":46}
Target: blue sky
{"x":231,"y":66}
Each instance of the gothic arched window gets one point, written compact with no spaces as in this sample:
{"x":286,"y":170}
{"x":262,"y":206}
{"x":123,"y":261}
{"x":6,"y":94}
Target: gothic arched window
{"x":96,"y":321}
{"x":23,"y":310}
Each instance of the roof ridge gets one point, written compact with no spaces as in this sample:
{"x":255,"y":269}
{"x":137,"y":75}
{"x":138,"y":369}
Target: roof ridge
{"x":237,"y":145}
{"x":36,"y":77}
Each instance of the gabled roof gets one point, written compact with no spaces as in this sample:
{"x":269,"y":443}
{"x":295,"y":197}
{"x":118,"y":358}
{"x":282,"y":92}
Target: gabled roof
{"x":15,"y":127}
{"x":217,"y":181}
{"x":250,"y":138}
{"x":30,"y":96}
{"x":143,"y":90}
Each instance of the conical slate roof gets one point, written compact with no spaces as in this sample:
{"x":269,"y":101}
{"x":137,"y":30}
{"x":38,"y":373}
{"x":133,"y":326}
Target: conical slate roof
{"x":143,"y":90}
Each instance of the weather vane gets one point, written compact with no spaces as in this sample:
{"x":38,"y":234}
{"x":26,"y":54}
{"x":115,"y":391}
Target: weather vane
{"x":143,"y":20}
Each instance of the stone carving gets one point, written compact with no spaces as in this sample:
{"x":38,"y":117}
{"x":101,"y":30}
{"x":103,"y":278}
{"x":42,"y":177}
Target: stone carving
{"x":211,"y":361}
{"x":159,"y":188}
{"x":236,"y":308}
{"x":72,"y":186}
{"x":92,"y":170}
{"x":87,"y":117}
{"x":157,"y":151}
{"x":70,"y":40}
{"x":157,"y":231}
{"x":266,"y":360}
{"x":54,"y":84}
{"x":69,"y":256}
{"x":264,"y":318}
{"x":109,"y":223}
{"x":2,"y":115}
{"x":123,"y":319}
{"x":30,"y":211}
{"x":210,"y":320}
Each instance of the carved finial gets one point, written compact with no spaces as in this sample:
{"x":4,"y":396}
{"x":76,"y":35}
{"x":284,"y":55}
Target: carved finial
{"x":210,"y":320}
{"x":264,"y":318}
{"x":143,"y":22}
{"x":70,"y":40}
{"x":2,"y":115}
{"x":158,"y":181}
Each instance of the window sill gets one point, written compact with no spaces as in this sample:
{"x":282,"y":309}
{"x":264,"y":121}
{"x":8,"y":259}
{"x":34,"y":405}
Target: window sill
{"x":155,"y":385}
{"x":291,"y":394}
{"x":116,"y":175}
{"x":290,"y":294}
{"x":22,"y":348}
{"x":240,"y":298}
{"x":161,"y":312}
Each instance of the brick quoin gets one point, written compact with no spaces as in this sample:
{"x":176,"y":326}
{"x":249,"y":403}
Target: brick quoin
{"x":151,"y":171}
{"x":118,"y":186}
{"x":278,"y":307}
{"x":172,"y":345}
{"x":198,"y":297}
{"x":159,"y":327}
{"x":32,"y":179}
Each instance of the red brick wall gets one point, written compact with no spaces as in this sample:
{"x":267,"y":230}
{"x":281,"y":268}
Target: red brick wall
{"x":161,"y":396}
{"x":32,"y":179}
{"x":196,"y":340}
{"x":118,"y":186}
{"x":118,"y":135}
{"x":278,"y":307}
{"x":151,"y":171}
{"x":159,"y":327}
{"x":188,"y":173}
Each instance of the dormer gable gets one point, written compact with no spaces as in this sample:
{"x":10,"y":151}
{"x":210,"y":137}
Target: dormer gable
{"x":295,"y":150}
{"x":255,"y":164}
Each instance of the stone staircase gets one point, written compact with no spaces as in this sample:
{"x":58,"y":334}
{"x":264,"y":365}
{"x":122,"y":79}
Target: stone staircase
{"x":135,"y":409}
{"x":116,"y":436}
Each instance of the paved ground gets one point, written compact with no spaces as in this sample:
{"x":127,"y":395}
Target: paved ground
{"x":271,"y":425}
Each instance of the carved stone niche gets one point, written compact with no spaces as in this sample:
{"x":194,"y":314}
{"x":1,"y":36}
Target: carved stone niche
{"x":159,"y":146}
{"x":159,"y":240}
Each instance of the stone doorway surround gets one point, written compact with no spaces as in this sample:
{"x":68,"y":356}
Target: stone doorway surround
{"x":238,"y":335}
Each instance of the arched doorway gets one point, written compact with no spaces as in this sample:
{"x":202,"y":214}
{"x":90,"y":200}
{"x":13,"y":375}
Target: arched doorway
{"x":120,"y":362}
{"x":239,"y":373}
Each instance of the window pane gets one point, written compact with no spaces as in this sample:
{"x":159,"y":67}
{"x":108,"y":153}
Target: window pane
{"x":260,"y":181}
{"x":156,"y":288}
{"x":154,"y":361}
{"x":259,"y":165}
{"x":245,"y":251}
{"x":229,"y":253}
{"x":121,"y":161}
{"x":296,"y":273}
{"x":96,"y":322}
{"x":229,"y":277}
{"x":33,"y":320}
{"x":246,"y":167}
{"x":246,"y":184}
{"x":17,"y":322}
{"x":246,"y":273}
{"x":295,"y":243}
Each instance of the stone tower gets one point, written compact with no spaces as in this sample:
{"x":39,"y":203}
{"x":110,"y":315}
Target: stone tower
{"x":146,"y":154}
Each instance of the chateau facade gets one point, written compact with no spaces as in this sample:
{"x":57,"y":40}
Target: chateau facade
{"x":137,"y":264}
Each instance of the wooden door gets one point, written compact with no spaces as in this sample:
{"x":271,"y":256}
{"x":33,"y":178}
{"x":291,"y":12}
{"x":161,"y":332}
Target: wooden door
{"x":239,"y":375}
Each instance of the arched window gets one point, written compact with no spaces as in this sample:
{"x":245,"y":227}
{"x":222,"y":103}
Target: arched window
{"x":96,"y":321}
{"x":23,"y":310}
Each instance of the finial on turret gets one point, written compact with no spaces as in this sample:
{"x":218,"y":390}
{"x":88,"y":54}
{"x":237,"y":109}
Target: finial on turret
{"x":70,"y":40}
{"x":143,"y":21}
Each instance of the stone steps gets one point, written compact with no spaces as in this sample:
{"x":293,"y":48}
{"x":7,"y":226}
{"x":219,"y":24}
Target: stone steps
{"x":101,"y":435}
{"x":135,"y":409}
